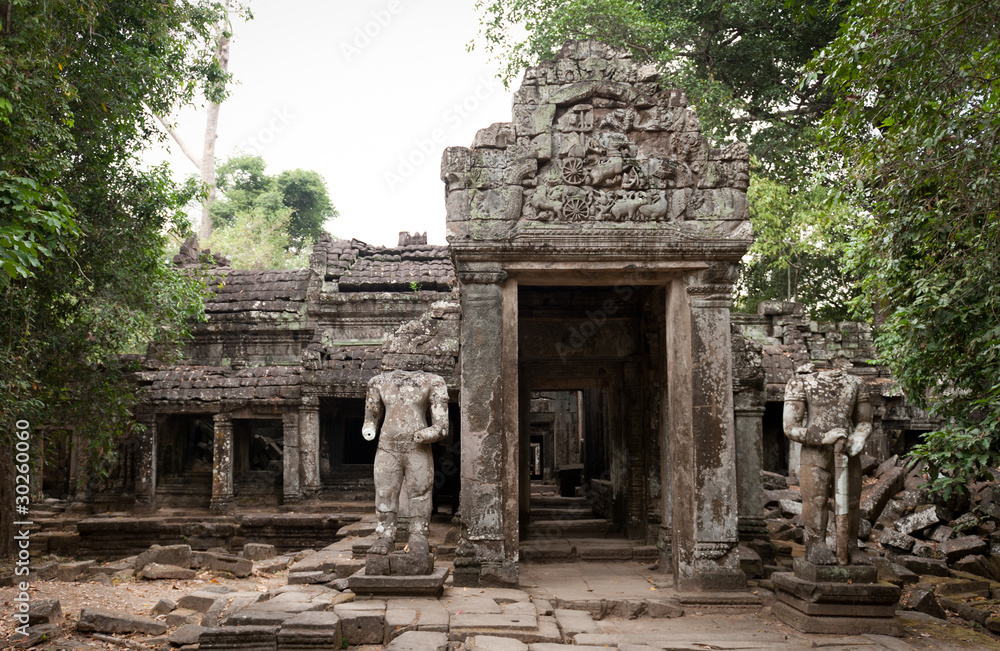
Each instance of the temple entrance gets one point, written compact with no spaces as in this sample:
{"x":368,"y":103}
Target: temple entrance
{"x":184,"y":460}
{"x":258,"y":451}
{"x":345,"y":457}
{"x":590,"y":380}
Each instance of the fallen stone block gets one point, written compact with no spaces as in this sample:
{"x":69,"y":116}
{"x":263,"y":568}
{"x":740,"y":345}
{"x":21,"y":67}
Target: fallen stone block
{"x":44,"y":611}
{"x":44,"y":572}
{"x":187,"y":634}
{"x":941,"y":533}
{"x":892,"y":538}
{"x":962,"y":587}
{"x":922,"y":599}
{"x":920,"y":565}
{"x":790,"y":508}
{"x":917,"y":521}
{"x":877,"y":495}
{"x":271,"y":566}
{"x":36,"y":635}
{"x":95,"y":620}
{"x":957,"y":548}
{"x":974,"y":564}
{"x":163,"y":606}
{"x":156,"y":571}
{"x":419,"y":641}
{"x":178,"y":555}
{"x":183,"y":617}
{"x":73,"y":571}
{"x":259,"y":551}
{"x":238,"y":567}
{"x":894,"y":573}
{"x":773,"y":497}
{"x":199,"y":601}
{"x":925,"y":549}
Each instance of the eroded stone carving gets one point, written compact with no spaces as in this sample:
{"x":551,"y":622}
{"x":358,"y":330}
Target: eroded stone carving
{"x":597,"y":140}
{"x":404,"y":461}
{"x":829,"y":414}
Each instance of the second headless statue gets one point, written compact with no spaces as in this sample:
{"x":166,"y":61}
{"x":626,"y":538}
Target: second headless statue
{"x":829,"y":414}
{"x":403,"y":459}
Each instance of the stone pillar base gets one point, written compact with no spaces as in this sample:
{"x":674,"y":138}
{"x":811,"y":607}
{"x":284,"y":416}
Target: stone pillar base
{"x":836,"y":600}
{"x":220,"y":505}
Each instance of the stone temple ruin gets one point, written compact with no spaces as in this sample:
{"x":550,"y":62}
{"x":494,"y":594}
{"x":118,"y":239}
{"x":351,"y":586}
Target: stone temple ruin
{"x":580,"y":317}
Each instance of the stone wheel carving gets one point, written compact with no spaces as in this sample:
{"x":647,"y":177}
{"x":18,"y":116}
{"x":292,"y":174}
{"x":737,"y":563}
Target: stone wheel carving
{"x":573,"y":172}
{"x":575,"y":209}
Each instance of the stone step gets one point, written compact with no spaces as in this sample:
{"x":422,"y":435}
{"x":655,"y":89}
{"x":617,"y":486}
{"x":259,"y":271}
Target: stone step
{"x":592,"y":528}
{"x":557,"y":501}
{"x":553,"y":513}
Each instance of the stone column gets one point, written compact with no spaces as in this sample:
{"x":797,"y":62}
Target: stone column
{"x":489,"y":496}
{"x":750,"y":463}
{"x":145,"y":478}
{"x":290,"y":479}
{"x":222,"y":463}
{"x":703,"y":446}
{"x":309,"y":446}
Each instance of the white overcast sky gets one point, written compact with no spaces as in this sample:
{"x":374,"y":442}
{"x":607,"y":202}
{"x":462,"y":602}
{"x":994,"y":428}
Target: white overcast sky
{"x":367,"y":93}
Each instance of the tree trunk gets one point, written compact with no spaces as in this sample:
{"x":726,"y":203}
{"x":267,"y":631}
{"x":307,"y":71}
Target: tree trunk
{"x":7,"y":504}
{"x":211,"y":134}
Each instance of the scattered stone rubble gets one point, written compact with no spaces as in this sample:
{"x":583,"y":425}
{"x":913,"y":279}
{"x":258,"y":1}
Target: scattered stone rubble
{"x":944,"y":557}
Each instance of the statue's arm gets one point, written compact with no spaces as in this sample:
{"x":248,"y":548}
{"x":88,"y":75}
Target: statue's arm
{"x":374,"y":409}
{"x":438,"y":429}
{"x":794,"y":415}
{"x":862,"y":418}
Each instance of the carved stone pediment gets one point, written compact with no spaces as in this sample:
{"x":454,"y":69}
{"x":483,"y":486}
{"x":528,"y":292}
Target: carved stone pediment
{"x":595,"y":143}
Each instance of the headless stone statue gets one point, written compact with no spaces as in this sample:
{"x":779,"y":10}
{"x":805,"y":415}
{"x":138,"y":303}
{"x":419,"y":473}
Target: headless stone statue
{"x":828,"y":413}
{"x":404,"y":459}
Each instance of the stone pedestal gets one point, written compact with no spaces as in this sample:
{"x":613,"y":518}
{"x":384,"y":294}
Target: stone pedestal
{"x":399,"y":564}
{"x":423,"y":585}
{"x":836,"y":600}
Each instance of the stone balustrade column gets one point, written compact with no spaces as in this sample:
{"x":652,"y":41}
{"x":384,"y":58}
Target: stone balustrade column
{"x":291,"y":479}
{"x":309,"y":446}
{"x":145,"y":479}
{"x":222,"y":463}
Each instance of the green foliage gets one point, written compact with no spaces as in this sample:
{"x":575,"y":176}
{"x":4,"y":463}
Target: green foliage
{"x":37,"y":223}
{"x":801,"y":239}
{"x":82,"y":235}
{"x":917,"y":122}
{"x":258,"y":239}
{"x":248,"y":191}
{"x":740,"y":62}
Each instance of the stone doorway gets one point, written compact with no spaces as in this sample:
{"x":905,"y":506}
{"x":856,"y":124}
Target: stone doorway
{"x":585,"y":366}
{"x":184,"y":460}
{"x":258,"y":460}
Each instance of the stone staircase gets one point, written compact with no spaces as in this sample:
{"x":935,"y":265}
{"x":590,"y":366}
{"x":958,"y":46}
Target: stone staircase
{"x":555,"y":516}
{"x":565,"y":529}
